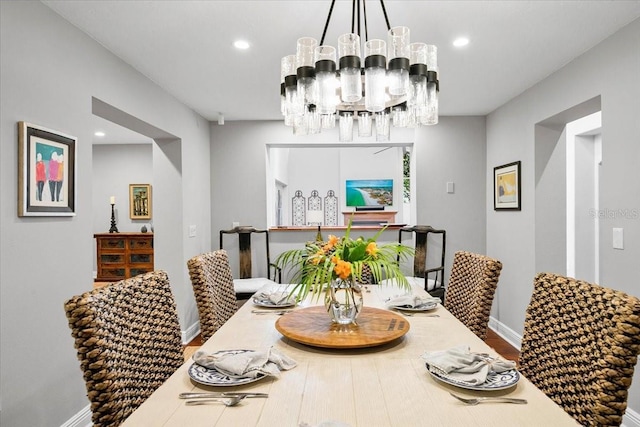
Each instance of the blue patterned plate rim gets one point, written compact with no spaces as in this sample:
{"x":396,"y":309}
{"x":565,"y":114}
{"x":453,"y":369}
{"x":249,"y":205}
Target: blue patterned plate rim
{"x":494,"y":381}
{"x":212,"y":377}
{"x":269,"y":304}
{"x":428,"y":306}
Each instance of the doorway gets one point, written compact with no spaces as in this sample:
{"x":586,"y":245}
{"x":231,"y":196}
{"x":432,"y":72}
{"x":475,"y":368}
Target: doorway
{"x":567,"y":158}
{"x":584,"y":157}
{"x":166,"y":180}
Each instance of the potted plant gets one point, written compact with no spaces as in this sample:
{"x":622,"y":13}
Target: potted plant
{"x":338,"y":268}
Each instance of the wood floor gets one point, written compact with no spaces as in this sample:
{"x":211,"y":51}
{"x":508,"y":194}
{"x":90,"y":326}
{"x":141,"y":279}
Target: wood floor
{"x":493,"y":340}
{"x":502,"y":347}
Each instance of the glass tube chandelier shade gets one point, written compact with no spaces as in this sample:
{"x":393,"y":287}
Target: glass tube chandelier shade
{"x":395,"y":84}
{"x":350,"y":77}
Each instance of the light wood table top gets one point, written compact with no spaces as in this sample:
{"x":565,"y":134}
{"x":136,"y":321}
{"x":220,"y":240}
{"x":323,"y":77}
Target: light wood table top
{"x":385,"y":385}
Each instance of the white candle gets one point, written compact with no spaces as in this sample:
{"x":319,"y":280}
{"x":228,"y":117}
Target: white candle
{"x":112,"y":200}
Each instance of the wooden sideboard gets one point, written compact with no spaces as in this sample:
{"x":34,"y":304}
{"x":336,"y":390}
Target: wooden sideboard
{"x":369,"y":217}
{"x":123,"y":255}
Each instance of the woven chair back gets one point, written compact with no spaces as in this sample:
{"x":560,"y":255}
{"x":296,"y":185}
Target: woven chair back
{"x":471,"y":288}
{"x":580,"y":347}
{"x":212,"y":282}
{"x":128,"y":340}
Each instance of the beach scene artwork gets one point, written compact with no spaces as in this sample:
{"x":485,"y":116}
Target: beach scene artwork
{"x":369,"y":192}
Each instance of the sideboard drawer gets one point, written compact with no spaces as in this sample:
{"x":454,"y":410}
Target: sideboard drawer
{"x":140,"y":244}
{"x":111,"y":243}
{"x":111,"y":259}
{"x":141,"y":259}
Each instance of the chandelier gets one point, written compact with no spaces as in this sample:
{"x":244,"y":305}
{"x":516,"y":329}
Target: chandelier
{"x":398,"y":85}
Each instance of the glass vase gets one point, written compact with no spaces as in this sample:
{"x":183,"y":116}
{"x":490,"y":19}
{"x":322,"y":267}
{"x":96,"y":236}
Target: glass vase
{"x":343,"y":301}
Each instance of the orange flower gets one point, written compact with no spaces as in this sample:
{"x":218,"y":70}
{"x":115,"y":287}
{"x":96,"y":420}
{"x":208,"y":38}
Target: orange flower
{"x":372,"y":249}
{"x":317,"y":257}
{"x":333,"y":241}
{"x":343,"y":269}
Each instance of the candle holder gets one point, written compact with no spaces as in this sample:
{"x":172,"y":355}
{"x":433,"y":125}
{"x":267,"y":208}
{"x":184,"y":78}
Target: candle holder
{"x":113,"y":228}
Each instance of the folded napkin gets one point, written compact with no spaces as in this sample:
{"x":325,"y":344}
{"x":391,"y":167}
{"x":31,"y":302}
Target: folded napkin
{"x":412,"y":301}
{"x":275,"y":297}
{"x":460,"y":364}
{"x":248,"y":364}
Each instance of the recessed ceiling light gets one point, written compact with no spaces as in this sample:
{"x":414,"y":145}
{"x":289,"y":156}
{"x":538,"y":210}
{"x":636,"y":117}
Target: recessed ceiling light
{"x":99,"y":133}
{"x":241,"y":44}
{"x":461,"y":41}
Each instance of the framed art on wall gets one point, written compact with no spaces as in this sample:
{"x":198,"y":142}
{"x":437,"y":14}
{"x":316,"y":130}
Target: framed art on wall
{"x":140,"y":201}
{"x":46,"y":172}
{"x":506,"y":187}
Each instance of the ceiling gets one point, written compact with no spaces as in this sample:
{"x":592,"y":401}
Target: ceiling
{"x":186,"y":47}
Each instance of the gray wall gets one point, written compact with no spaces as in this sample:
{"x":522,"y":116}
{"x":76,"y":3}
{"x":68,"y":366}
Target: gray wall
{"x":454,"y":150}
{"x":114,"y":167}
{"x":511,"y":136}
{"x":49,"y":72}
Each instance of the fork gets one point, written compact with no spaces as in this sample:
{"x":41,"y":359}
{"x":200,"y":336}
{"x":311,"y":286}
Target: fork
{"x":477,"y":400}
{"x":278,"y":312}
{"x":231,"y":401}
{"x":209,"y":395}
{"x":404,"y":313}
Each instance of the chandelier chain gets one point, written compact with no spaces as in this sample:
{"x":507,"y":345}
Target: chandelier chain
{"x":384,"y":11}
{"x":360,"y":11}
{"x":326,"y":25}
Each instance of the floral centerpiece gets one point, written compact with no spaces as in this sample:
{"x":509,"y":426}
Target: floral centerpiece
{"x":339,"y":266}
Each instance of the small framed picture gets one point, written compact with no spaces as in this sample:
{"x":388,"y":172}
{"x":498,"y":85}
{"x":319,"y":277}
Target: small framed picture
{"x":506,"y":187}
{"x":140,"y":201}
{"x":46,"y":172}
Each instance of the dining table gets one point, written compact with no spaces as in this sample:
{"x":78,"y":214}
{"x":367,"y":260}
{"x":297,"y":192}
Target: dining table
{"x":370,"y":383}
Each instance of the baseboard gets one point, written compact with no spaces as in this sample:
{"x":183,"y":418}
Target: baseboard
{"x":81,"y":419}
{"x":508,"y":334}
{"x":631,"y":419}
{"x":191,"y":332}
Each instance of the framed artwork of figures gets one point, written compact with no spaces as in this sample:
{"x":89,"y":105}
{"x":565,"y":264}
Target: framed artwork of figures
{"x":46,"y":172}
{"x":140,"y":201}
{"x":506,"y":187}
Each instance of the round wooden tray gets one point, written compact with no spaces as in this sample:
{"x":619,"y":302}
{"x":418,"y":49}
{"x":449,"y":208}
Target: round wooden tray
{"x":312,"y":326}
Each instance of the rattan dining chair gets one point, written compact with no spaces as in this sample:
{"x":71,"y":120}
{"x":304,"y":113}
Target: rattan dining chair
{"x":212,"y":282}
{"x":472,"y":285}
{"x":128,"y":341}
{"x":580,"y":347}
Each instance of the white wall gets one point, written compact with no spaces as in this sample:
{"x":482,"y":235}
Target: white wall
{"x":327,"y":168}
{"x":49,"y":72}
{"x":511,"y":136}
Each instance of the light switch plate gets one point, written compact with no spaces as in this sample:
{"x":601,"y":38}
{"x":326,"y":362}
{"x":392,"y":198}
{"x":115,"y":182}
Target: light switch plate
{"x":450,"y":187}
{"x":618,"y":238}
{"x":192,"y":231}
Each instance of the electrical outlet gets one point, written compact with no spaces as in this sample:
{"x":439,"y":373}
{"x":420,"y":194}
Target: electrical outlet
{"x":192,"y":231}
{"x":236,"y":224}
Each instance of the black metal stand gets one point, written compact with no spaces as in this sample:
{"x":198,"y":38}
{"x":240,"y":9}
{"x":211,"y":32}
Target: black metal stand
{"x":113,"y":228}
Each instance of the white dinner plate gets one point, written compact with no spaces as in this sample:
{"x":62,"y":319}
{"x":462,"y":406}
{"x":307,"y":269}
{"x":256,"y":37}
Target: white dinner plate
{"x":260,"y":302}
{"x":213,"y":377}
{"x":422,"y":307}
{"x":494,"y":381}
